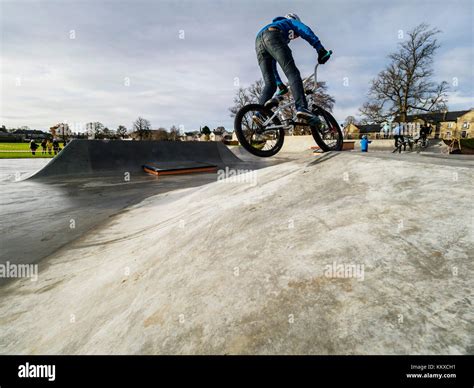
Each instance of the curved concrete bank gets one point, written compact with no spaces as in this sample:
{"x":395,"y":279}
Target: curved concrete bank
{"x":240,"y":266}
{"x":87,"y":157}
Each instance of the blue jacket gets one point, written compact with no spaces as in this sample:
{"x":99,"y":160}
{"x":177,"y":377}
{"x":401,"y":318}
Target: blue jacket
{"x":298,"y":28}
{"x":364,"y":145}
{"x":286,"y":25}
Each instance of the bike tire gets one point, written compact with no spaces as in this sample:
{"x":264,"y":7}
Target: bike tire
{"x":241,"y":137}
{"x":334,"y":124}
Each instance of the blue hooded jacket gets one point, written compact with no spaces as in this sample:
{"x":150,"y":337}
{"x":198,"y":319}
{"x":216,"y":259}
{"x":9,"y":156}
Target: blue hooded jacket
{"x":364,"y":144}
{"x":296,"y":27}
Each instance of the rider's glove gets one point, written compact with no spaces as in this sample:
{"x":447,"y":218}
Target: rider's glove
{"x":283,"y":89}
{"x":323,"y":55}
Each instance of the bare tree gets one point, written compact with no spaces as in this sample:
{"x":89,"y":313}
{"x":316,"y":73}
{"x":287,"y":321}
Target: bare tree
{"x":161,"y":134}
{"x":95,"y":129}
{"x":121,"y":131}
{"x":321,"y":97}
{"x":372,"y":112}
{"x":405,"y":86}
{"x":252,"y":94}
{"x":255,"y":90}
{"x":142,"y":127}
{"x":349,"y":120}
{"x":243,"y":97}
{"x":174,"y":133}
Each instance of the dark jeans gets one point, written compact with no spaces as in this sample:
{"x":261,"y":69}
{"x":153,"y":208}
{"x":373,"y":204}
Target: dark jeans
{"x":271,"y":45}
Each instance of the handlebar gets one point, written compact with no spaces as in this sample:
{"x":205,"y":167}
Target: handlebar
{"x":314,"y":75}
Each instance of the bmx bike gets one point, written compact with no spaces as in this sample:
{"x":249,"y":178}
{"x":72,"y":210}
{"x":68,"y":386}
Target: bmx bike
{"x":261,"y":129}
{"x":421,"y":144}
{"x":403,"y":141}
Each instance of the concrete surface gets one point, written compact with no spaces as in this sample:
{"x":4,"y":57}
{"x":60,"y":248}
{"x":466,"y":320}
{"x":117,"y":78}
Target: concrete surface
{"x":241,"y":267}
{"x":17,"y":169}
{"x":48,"y":211}
{"x":40,"y":217}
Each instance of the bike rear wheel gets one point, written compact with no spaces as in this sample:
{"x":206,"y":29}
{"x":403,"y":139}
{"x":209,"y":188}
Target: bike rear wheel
{"x":328,"y":136}
{"x":253,"y":135}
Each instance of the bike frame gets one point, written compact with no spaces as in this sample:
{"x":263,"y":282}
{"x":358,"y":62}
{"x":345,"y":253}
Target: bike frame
{"x":291,"y":123}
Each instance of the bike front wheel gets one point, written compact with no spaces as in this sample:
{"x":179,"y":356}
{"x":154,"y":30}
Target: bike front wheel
{"x":328,"y":136}
{"x":256,"y":133}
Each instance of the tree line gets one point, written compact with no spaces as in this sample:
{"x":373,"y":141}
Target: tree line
{"x":142,"y":127}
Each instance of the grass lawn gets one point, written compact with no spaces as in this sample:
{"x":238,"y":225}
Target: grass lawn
{"x":467,"y":143}
{"x":19,"y":150}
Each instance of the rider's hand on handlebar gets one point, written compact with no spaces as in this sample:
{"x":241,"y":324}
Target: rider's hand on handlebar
{"x":323,"y":55}
{"x":283,"y":89}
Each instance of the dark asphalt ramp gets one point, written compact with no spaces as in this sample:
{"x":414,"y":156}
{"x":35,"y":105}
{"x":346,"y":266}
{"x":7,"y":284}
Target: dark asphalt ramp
{"x":97,"y":157}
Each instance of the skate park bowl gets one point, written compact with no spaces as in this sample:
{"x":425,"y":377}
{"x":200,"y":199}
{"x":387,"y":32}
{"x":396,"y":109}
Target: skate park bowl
{"x":144,"y":253}
{"x":134,"y":256}
{"x":92,"y":180}
{"x":98,"y":157}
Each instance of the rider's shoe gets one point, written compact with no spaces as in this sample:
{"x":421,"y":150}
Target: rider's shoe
{"x":273,"y":103}
{"x":306,"y":114}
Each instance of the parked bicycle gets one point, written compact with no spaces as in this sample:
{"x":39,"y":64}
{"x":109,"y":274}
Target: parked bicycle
{"x":421,"y":144}
{"x":261,"y":129}
{"x":404,"y":141}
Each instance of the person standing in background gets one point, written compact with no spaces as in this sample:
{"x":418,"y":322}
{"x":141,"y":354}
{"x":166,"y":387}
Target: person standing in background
{"x":43,"y":146}
{"x":49,"y":146}
{"x":33,"y":147}
{"x":56,"y":146}
{"x":397,"y":134}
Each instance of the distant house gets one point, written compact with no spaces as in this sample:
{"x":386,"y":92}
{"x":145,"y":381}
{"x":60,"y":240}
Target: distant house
{"x":215,"y":136}
{"x":371,"y":130}
{"x":445,"y":125}
{"x":60,"y":130}
{"x":220,"y":134}
{"x":190,"y":136}
{"x":353,"y":131}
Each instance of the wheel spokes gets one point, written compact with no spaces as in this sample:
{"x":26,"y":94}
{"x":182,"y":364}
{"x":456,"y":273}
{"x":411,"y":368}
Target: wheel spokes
{"x":328,"y":132}
{"x":254,"y":133}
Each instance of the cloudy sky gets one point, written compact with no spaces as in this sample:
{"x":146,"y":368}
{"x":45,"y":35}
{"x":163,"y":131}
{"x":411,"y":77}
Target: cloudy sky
{"x":177,"y":62}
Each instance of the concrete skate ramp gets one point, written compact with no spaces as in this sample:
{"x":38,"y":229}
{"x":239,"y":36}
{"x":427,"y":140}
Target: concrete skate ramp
{"x":96,"y":157}
{"x":235,"y":280}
